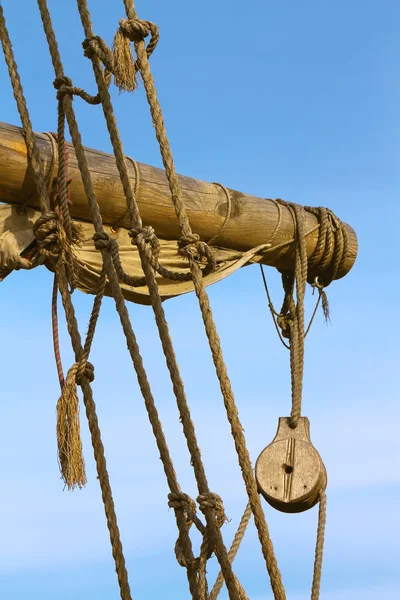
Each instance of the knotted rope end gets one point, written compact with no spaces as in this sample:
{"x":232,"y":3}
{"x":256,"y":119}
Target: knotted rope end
{"x":70,"y":454}
{"x":124,"y":64}
{"x":325,"y":306}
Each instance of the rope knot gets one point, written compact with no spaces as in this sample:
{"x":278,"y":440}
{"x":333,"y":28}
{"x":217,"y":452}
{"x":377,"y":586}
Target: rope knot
{"x":213,"y":501}
{"x":84,"y":370}
{"x":285,"y":322}
{"x":70,"y":455}
{"x":144,"y":234}
{"x":182,"y":502}
{"x":144,"y":237}
{"x":183,"y":550}
{"x":96,"y":46}
{"x":102,"y":241}
{"x":194,"y":250}
{"x":125,"y":67}
{"x":63,"y":86}
{"x":46,"y":232}
{"x":136,"y":30}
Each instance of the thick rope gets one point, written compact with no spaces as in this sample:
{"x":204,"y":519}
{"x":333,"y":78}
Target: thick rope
{"x":215,"y":346}
{"x":291,"y":320}
{"x":160,"y":318}
{"x":98,"y":449}
{"x":34,"y":158}
{"x":190,"y":247}
{"x":108,"y":265}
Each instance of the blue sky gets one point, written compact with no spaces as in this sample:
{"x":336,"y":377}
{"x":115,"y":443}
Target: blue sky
{"x":291,"y":100}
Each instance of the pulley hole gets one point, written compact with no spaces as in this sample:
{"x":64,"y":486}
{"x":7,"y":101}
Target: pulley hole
{"x":288,"y":469}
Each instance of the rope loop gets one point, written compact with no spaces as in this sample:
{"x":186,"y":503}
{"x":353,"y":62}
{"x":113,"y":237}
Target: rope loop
{"x":64,"y":87}
{"x":184,"y":503}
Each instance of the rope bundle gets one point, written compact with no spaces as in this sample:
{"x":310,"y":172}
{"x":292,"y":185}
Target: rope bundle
{"x":55,"y":233}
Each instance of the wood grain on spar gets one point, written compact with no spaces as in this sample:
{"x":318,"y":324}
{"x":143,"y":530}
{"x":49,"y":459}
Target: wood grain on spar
{"x":252,"y":222}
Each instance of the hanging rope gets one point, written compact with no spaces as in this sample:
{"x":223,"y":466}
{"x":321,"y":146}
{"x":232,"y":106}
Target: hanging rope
{"x":137,"y":31}
{"x":114,"y":285}
{"x":56,"y":234}
{"x":35,"y":163}
{"x":291,"y":322}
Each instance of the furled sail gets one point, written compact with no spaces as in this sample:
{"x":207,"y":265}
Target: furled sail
{"x":16,"y":237}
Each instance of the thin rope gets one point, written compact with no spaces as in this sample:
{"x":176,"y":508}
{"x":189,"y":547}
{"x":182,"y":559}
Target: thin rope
{"x":279,"y":222}
{"x":212,"y":529}
{"x":227,"y":216}
{"x":56,"y":340}
{"x":237,"y":540}
{"x":191,"y":247}
{"x":275,"y":314}
{"x":319,"y":547}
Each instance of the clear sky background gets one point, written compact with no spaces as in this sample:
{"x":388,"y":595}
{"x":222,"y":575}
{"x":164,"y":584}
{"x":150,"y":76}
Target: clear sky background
{"x":297,"y":100}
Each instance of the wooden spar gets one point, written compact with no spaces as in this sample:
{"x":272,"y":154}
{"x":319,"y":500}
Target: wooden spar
{"x":252,"y":221}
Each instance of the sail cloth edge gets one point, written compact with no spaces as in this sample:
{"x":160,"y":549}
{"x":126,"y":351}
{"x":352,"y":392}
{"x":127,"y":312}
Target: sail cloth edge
{"x":17,"y":230}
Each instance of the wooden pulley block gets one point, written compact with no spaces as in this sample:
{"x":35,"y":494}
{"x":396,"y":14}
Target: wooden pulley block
{"x":290,"y":473}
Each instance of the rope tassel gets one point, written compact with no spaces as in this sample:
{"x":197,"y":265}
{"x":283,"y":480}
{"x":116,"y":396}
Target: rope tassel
{"x":70,"y":455}
{"x":124,"y":65}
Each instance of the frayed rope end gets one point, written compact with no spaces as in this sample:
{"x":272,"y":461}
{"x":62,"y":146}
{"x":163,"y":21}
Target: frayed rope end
{"x":70,"y":454}
{"x":124,"y":65}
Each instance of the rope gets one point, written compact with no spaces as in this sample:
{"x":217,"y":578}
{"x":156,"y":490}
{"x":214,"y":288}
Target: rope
{"x":227,"y":216}
{"x":114,"y":285}
{"x":216,"y":351}
{"x":279,"y":222}
{"x":291,"y":321}
{"x":319,"y":548}
{"x":237,"y":540}
{"x":275,"y":315}
{"x":171,"y":361}
{"x":34,"y":158}
{"x":201,"y":260}
{"x":160,"y":320}
{"x":56,"y":340}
